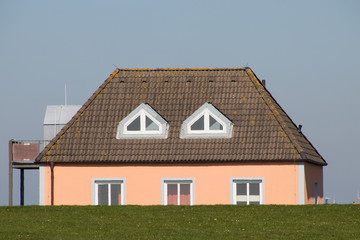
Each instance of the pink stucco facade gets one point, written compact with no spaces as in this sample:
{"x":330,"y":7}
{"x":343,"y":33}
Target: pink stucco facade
{"x":313,"y":177}
{"x":73,"y":184}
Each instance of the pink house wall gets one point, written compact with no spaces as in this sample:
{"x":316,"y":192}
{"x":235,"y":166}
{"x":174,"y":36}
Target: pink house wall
{"x":73,"y":183}
{"x":313,"y":173}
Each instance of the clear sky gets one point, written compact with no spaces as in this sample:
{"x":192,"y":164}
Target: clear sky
{"x":308,"y":52}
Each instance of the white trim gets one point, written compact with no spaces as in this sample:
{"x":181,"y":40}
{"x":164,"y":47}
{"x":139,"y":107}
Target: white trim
{"x":95,"y":182}
{"x":42,"y":184}
{"x":165,"y":181}
{"x":301,"y":183}
{"x":207,"y":110}
{"x":143,"y":110}
{"x":235,"y":180}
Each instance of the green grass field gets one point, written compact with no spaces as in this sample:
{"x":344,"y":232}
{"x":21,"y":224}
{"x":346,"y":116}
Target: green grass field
{"x":181,"y":222}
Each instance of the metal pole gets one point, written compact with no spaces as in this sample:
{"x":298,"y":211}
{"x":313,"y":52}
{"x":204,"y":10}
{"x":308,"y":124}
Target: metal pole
{"x":22,"y":187}
{"x":10,"y":173}
{"x":52,"y":182}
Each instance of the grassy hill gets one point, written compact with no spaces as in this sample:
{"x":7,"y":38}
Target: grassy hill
{"x":181,"y":222}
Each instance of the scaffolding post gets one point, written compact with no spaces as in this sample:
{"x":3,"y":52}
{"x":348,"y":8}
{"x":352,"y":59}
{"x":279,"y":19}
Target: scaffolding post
{"x":22,"y":186}
{"x":10,"y":173}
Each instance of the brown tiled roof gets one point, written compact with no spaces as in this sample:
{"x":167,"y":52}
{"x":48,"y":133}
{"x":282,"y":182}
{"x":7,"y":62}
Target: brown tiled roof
{"x":262,"y":130}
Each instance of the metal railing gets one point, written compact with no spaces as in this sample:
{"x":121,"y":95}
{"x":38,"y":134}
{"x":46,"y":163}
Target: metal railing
{"x":22,"y":155}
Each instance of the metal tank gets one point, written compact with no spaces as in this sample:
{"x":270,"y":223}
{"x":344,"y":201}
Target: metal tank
{"x":56,"y":117}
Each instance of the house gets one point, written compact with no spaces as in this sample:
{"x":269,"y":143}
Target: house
{"x":183,"y":137}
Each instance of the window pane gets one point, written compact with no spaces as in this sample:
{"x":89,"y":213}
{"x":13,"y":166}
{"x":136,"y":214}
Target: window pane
{"x":135,"y":125}
{"x":199,"y":124}
{"x":254,"y":198}
{"x":241,"y":203}
{"x":254,"y":188}
{"x":184,"y":194}
{"x":214,"y":125}
{"x":172,"y":194}
{"x":115,"y":194}
{"x":254,"y":203}
{"x":103,"y":194}
{"x":150,"y":125}
{"x":241,"y":189}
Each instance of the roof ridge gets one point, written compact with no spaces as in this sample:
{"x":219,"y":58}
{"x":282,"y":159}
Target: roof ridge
{"x":183,"y":69}
{"x":79,"y":113}
{"x":310,"y":160}
{"x":278,"y":118}
{"x":292,"y":139}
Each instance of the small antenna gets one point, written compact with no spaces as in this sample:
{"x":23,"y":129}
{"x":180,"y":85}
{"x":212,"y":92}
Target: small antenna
{"x":65,"y":96}
{"x":55,"y":125}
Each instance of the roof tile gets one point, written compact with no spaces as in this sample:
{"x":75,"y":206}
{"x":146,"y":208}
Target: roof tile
{"x":262,"y":130}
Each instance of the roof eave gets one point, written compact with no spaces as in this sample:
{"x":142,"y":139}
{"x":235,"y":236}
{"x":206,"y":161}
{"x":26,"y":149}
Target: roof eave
{"x":204,"y":161}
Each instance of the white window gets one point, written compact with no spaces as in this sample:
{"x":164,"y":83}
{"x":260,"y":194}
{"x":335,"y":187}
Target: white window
{"x":178,"y":191}
{"x":143,"y":122}
{"x":206,"y":122}
{"x":109,"y":191}
{"x":245,"y":191}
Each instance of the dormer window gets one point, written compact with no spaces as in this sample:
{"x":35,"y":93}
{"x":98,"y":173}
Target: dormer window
{"x":206,"y":122}
{"x":143,"y":122}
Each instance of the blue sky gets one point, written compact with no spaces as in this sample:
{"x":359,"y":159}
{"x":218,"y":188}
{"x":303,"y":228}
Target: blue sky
{"x":308,"y":52}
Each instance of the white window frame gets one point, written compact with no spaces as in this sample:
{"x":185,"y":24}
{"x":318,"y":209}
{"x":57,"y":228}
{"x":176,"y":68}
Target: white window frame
{"x":207,"y":110}
{"x":97,"y":181}
{"x":143,"y":110}
{"x":234,"y":181}
{"x":165,"y":181}
{"x":143,"y":114}
{"x":206,"y":113}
